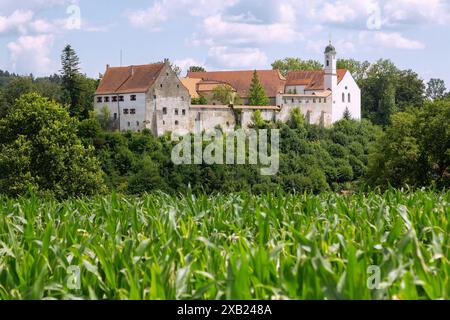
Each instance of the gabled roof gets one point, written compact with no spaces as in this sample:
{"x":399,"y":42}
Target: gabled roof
{"x":191,"y":85}
{"x":311,"y":79}
{"x":271,"y":80}
{"x":131,"y":79}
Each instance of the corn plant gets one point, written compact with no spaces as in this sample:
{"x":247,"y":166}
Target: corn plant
{"x":234,"y":246}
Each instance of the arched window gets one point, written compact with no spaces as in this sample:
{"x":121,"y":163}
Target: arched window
{"x":349,"y":98}
{"x":343,"y":97}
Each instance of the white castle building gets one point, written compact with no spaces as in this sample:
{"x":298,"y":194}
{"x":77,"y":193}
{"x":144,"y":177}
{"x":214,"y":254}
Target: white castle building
{"x":153,"y":97}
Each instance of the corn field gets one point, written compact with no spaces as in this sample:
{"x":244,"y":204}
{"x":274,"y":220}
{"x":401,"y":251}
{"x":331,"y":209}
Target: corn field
{"x":392,"y":245}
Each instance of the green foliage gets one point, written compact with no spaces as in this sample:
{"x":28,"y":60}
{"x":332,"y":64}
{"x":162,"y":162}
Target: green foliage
{"x":236,"y":246}
{"x":296,"y":120}
{"x":257,"y":95}
{"x":415,"y":149}
{"x":201,"y":100}
{"x":257,"y":119}
{"x":224,"y":94}
{"x":385,"y":89}
{"x":196,"y":69}
{"x":147,"y":178}
{"x":40,"y":151}
{"x":358,"y":69}
{"x":291,"y":64}
{"x":78,"y":90}
{"x":436,"y":89}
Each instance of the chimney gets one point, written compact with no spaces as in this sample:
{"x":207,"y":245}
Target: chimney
{"x":166,"y":61}
{"x":107,"y":66}
{"x":132,"y":70}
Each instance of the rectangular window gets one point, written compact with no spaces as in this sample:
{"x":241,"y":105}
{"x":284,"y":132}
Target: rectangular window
{"x":314,"y":100}
{"x":133,"y":97}
{"x":176,"y":112}
{"x":115,"y":116}
{"x":129,"y":124}
{"x":132,"y":111}
{"x":164,"y":110}
{"x":121,"y":98}
{"x":324,"y":100}
{"x":114,"y":99}
{"x":183,"y":112}
{"x":106,"y":99}
{"x":125,"y":111}
{"x":137,"y":123}
{"x":99,"y":99}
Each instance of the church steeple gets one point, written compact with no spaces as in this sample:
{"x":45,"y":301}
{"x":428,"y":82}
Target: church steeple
{"x":330,"y":73}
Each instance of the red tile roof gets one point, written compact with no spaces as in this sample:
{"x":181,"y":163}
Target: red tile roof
{"x":272,"y":81}
{"x":129,"y":79}
{"x":311,"y":79}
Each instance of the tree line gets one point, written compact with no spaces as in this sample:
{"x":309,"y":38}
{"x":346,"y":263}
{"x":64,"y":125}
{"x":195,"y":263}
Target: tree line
{"x":52,"y":143}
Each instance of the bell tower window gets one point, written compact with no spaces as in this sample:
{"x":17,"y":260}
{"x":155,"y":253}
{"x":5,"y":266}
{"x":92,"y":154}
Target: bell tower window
{"x":328,"y":63}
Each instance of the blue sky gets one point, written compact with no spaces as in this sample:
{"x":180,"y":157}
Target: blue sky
{"x":223,"y":34}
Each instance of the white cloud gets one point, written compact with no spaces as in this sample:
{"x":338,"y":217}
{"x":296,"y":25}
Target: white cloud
{"x":11,"y":5}
{"x":185,"y":64}
{"x":417,"y":11}
{"x":218,"y":28}
{"x":16,"y":21}
{"x":390,"y":40}
{"x":238,"y":57}
{"x":396,"y":40}
{"x":149,"y":18}
{"x":31,"y":54}
{"x":204,"y":8}
{"x":153,"y":17}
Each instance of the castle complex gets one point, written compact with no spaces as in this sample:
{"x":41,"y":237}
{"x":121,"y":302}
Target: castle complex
{"x":154,"y":97}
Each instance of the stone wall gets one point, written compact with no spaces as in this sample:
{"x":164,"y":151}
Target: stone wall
{"x":316,"y":110}
{"x":168,"y":103}
{"x":207,"y":118}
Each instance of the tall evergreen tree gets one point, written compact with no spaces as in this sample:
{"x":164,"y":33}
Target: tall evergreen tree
{"x":71,"y":80}
{"x":257,"y":94}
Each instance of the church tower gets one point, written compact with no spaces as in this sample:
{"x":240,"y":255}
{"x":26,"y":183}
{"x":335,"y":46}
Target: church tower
{"x":330,"y":74}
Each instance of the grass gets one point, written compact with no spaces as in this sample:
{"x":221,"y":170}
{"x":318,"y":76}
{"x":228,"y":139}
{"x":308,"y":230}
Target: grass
{"x":227,"y":247}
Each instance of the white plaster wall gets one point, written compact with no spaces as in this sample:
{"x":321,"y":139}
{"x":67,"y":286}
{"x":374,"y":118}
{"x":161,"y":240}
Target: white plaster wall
{"x":118,"y":109}
{"x":346,"y":86}
{"x":297,"y":89}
